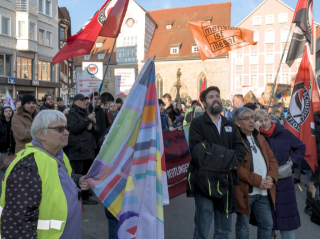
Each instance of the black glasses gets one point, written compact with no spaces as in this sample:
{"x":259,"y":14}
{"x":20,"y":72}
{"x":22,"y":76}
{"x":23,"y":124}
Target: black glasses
{"x":247,"y":118}
{"x":60,"y":128}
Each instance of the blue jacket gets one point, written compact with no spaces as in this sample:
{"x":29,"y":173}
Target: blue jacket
{"x":282,"y":142}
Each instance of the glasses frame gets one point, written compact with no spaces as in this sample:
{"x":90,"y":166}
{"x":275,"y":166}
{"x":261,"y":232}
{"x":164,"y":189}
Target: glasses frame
{"x":60,"y":128}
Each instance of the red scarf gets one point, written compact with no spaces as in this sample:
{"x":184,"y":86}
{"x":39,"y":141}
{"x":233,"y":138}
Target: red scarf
{"x":268,"y":132}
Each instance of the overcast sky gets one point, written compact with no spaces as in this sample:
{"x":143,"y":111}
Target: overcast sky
{"x":82,"y":10}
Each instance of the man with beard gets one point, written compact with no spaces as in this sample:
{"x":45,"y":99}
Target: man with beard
{"x":215,"y":129}
{"x":48,"y":102}
{"x":61,"y":106}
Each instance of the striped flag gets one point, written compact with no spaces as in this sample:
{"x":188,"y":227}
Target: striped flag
{"x":303,"y":32}
{"x":129,"y":174}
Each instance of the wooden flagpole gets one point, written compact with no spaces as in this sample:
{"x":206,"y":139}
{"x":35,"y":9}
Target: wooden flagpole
{"x":275,"y":80}
{"x":104,"y":76}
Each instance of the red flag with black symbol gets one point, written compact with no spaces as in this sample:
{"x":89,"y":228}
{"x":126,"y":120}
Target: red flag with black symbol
{"x":303,"y":32}
{"x":300,"y":119}
{"x":203,"y":87}
{"x":105,"y":23}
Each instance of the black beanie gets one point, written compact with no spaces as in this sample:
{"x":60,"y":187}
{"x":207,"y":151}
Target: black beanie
{"x":160,"y":102}
{"x":119,"y":100}
{"x":28,"y":98}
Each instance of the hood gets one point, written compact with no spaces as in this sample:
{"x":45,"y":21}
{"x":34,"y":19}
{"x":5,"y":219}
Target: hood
{"x":278,"y":129}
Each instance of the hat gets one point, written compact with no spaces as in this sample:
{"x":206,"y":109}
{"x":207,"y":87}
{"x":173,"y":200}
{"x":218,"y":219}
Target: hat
{"x":119,"y":100}
{"x":276,"y":106}
{"x":160,"y":102}
{"x":251,"y":106}
{"x":15,"y":103}
{"x":205,"y":92}
{"x":59,"y":99}
{"x":28,"y":98}
{"x":95,"y":94}
{"x":79,"y":97}
{"x":194,"y":102}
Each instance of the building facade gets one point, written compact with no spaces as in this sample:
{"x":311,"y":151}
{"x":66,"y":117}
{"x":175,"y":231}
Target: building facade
{"x":27,"y":45}
{"x":68,"y":89}
{"x":252,"y":67}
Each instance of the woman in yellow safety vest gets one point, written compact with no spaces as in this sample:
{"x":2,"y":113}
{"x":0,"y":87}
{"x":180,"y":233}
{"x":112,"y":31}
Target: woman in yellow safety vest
{"x":40,"y":194}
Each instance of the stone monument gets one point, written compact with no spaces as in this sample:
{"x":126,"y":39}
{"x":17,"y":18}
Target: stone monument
{"x":178,"y":86}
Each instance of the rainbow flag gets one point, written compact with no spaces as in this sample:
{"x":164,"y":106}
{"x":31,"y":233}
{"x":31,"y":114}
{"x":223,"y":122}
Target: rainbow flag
{"x":129,"y":174}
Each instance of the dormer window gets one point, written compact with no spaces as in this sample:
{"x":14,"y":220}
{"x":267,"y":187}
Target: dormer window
{"x":99,"y":44}
{"x":194,"y":49}
{"x":174,"y":50}
{"x":101,"y":56}
{"x":169,"y":24}
{"x":87,"y":57}
{"x":208,"y":19}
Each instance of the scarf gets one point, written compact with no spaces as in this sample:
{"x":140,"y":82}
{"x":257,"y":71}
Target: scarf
{"x":270,"y":131}
{"x":114,"y":115}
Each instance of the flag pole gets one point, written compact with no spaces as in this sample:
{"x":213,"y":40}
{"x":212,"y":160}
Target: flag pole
{"x":104,"y":76}
{"x":275,"y":80}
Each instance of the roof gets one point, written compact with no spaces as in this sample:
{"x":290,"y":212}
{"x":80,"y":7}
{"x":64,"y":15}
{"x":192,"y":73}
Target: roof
{"x":106,"y":47}
{"x":64,"y":13}
{"x":164,"y":38}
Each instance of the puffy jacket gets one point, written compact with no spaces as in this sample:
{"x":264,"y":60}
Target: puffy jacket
{"x":82,"y":142}
{"x":21,"y":127}
{"x":211,"y":175}
{"x":6,"y":137}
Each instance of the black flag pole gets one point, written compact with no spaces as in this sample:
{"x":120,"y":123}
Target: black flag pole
{"x":275,"y":80}
{"x":104,"y":76}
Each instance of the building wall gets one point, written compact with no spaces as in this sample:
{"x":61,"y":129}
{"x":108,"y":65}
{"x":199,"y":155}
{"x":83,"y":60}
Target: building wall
{"x":263,"y":69}
{"x":318,"y":59}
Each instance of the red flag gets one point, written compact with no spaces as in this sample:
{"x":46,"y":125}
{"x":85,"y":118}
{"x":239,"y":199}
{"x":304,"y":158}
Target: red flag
{"x":203,"y":87}
{"x":105,"y":23}
{"x":300,"y":120}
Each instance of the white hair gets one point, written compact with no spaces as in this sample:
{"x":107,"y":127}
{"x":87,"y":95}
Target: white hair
{"x":43,"y":120}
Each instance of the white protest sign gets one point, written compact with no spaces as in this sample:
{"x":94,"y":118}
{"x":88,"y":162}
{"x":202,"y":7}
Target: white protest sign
{"x":92,"y":73}
{"x":80,"y":89}
{"x":124,"y":79}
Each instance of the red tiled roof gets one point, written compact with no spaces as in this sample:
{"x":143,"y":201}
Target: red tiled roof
{"x":106,"y":47}
{"x":180,"y":32}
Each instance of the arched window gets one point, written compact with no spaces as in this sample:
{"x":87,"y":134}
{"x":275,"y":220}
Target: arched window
{"x":159,"y":86}
{"x":201,"y":78}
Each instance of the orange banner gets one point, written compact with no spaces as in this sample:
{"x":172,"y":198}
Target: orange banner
{"x":213,"y":40}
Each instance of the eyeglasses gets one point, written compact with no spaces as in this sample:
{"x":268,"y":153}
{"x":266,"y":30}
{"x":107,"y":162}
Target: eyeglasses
{"x":95,"y":98}
{"x":60,"y":128}
{"x":247,"y":118}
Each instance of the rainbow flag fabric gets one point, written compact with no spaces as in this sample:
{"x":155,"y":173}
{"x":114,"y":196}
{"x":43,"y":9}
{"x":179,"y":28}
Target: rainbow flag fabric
{"x":129,"y":174}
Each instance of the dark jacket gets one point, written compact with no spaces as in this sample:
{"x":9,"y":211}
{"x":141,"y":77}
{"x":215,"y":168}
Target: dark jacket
{"x":81,"y":141}
{"x":203,"y":129}
{"x":248,"y":178}
{"x":214,"y":178}
{"x":45,"y":107}
{"x":282,"y":142}
{"x":6,"y":137}
{"x":61,"y":108}
{"x":101,"y":120}
{"x":172,"y":112}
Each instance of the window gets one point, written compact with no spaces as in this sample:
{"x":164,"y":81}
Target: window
{"x":49,"y":39}
{"x":159,"y":86}
{"x":253,"y":80}
{"x":283,"y":18}
{"x":44,"y":71}
{"x":284,"y":58}
{"x":100,"y":56}
{"x":254,"y":59}
{"x":239,"y":59}
{"x":238,"y":80}
{"x":269,"y":37}
{"x":99,"y":44}
{"x":174,"y":50}
{"x":40,"y":6}
{"x":195,"y":49}
{"x":269,"y":19}
{"x":5,"y":65}
{"x":24,"y":68}
{"x":256,"y":36}
{"x":169,"y":26}
{"x":284,"y":35}
{"x":22,"y":29}
{"x":87,"y":57}
{"x":109,"y":74}
{"x":48,"y":8}
{"x":41,"y":36}
{"x":5,"y":26}
{"x":62,"y":33}
{"x":269,"y":58}
{"x":285,"y":79}
{"x":257,"y":21}
{"x":269,"y":78}
{"x":32,"y":31}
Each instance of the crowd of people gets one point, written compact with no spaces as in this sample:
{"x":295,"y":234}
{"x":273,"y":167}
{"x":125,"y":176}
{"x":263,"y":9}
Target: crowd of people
{"x":250,"y":174}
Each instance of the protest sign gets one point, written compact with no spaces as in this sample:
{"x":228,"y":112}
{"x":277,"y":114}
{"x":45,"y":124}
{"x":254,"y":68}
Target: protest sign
{"x":92,"y":73}
{"x":177,"y":157}
{"x":80,"y":89}
{"x":282,"y":94}
{"x":124,"y":79}
{"x":250,"y":97}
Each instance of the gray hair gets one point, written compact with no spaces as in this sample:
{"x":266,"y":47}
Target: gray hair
{"x":261,"y":113}
{"x":43,"y":120}
{"x":237,"y":114}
